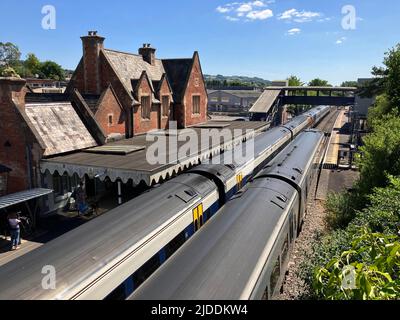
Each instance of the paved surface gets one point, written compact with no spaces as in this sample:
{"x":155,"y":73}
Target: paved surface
{"x":337,"y":139}
{"x":333,"y":179}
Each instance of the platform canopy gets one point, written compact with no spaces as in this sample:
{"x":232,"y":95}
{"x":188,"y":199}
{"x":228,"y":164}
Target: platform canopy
{"x":23,"y":196}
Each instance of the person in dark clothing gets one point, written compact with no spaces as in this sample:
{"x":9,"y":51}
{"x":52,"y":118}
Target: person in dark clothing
{"x":80,"y":197}
{"x":15,"y":231}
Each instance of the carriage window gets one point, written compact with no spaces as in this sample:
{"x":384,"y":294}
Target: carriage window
{"x":175,"y":244}
{"x":146,"y":270}
{"x":275,"y":275}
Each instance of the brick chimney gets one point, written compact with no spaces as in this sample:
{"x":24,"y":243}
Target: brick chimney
{"x":92,"y":44}
{"x":148,"y":53}
{"x":12,"y":89}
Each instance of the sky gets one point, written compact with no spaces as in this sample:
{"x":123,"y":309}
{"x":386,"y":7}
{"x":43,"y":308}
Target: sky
{"x":272,"y":39}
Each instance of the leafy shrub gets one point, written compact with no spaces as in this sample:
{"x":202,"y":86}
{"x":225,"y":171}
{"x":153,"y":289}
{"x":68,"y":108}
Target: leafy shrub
{"x":368,"y":271}
{"x":340,"y":209}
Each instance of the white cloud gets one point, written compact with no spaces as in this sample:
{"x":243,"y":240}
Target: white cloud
{"x":258,"y":4}
{"x":244,"y":8}
{"x":229,"y":18}
{"x":223,"y":9}
{"x":341,"y":40}
{"x":247,"y":11}
{"x":294,"y":31}
{"x":260,"y":15}
{"x":297,"y":16}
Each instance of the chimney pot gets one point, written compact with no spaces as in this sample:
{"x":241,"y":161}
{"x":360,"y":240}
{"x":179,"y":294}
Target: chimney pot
{"x":148,"y":53}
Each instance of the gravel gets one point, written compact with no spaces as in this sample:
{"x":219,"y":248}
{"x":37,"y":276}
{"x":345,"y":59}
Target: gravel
{"x":294,"y":287}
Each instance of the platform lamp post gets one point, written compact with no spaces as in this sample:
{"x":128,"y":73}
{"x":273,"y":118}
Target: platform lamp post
{"x":97,"y":176}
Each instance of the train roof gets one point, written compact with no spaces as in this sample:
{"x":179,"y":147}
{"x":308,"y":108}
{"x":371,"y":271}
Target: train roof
{"x":217,"y":263}
{"x":292,"y":162}
{"x":92,"y":247}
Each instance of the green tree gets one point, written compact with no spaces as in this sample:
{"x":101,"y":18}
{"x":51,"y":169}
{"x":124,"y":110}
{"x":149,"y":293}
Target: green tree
{"x":348,"y":84}
{"x":380,"y":154}
{"x":9,"y":54}
{"x":381,"y":108}
{"x":295,"y":81}
{"x":319,"y":83}
{"x":52,"y":70}
{"x":32,"y":64}
{"x":386,"y":79}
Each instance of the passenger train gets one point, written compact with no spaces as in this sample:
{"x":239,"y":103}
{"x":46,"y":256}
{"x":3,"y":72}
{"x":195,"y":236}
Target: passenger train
{"x":243,"y":253}
{"x":110,"y":256}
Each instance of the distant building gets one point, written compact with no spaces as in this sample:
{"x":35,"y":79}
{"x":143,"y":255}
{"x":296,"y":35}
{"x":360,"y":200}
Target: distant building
{"x":231,"y":100}
{"x":46,"y":85}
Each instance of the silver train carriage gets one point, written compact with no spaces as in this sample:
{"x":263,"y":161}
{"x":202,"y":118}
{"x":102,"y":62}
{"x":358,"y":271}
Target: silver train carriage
{"x":243,"y":252}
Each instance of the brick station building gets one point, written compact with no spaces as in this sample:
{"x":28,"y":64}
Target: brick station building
{"x":134,"y":93}
{"x":112,"y":95}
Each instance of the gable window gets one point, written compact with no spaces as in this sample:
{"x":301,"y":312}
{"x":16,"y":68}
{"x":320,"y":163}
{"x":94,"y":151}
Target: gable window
{"x":110,"y":120}
{"x":146,"y":107}
{"x":165,"y":106}
{"x":196,"y":104}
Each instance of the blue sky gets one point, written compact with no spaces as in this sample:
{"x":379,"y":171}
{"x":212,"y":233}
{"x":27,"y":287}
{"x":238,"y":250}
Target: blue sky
{"x":268,"y":39}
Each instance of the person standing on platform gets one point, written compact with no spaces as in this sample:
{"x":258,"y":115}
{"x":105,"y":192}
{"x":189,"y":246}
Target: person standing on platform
{"x":15,"y":231}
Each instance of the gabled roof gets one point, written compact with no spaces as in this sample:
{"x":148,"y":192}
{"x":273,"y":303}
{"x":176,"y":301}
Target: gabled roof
{"x":59,"y":126}
{"x":92,"y":100}
{"x":158,"y":84}
{"x":100,"y":100}
{"x":136,"y":86}
{"x":178,"y":72}
{"x":130,"y":67}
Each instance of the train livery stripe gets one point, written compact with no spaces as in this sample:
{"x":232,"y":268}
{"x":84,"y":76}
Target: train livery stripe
{"x":111,"y":276}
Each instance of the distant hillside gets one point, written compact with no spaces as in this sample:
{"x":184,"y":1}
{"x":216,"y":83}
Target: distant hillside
{"x":235,"y":81}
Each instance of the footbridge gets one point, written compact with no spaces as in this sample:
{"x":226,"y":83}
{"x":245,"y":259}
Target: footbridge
{"x":269,"y":106}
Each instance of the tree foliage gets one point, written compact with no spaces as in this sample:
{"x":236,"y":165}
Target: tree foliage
{"x":369,"y":245}
{"x":295,"y":81}
{"x":32,"y":63}
{"x":380,"y":154}
{"x":11,"y":63}
{"x":348,"y":84}
{"x":319,"y":83}
{"x":9,"y":54}
{"x":52,"y":70}
{"x":368,"y":271}
{"x":386,"y":79}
